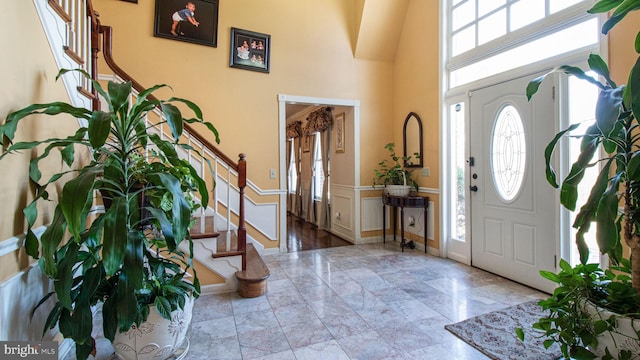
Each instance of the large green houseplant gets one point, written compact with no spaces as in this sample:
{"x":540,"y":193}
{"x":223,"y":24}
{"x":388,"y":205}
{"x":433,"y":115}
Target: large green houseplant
{"x":128,"y":257}
{"x":611,"y":143}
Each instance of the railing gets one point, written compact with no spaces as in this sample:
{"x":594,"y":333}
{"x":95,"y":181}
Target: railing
{"x":83,"y":45}
{"x":78,"y":34}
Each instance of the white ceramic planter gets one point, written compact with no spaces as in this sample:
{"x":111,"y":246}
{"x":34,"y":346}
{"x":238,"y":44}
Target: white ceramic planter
{"x":623,"y":338}
{"x":157,"y":338}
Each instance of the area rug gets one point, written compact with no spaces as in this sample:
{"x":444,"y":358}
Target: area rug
{"x":494,"y":334}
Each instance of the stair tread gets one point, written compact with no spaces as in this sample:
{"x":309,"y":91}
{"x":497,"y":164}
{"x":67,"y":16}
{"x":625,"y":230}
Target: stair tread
{"x":256,"y":270}
{"x":199,"y":235}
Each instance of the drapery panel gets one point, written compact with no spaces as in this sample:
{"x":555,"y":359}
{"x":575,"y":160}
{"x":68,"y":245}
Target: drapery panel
{"x":308,"y":196}
{"x":297,"y":197}
{"x":324,"y":219}
{"x":294,"y":199}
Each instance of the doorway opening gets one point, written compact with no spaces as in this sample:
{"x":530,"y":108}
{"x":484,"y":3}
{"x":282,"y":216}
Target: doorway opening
{"x":313,"y":163}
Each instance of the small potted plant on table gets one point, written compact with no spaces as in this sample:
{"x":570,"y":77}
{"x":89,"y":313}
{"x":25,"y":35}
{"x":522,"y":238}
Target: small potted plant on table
{"x":395,"y":178}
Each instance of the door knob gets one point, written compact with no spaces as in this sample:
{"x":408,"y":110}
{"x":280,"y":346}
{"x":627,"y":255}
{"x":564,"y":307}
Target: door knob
{"x":473,"y":188}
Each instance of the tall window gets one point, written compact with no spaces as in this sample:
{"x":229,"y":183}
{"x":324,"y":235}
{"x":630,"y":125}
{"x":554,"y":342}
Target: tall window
{"x":458,"y":171}
{"x":579,"y":93}
{"x":318,"y":172}
{"x":292,"y":176}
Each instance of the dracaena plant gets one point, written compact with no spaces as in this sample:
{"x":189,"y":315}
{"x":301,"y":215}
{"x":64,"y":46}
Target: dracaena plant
{"x":612,"y":145}
{"x":127,"y":257}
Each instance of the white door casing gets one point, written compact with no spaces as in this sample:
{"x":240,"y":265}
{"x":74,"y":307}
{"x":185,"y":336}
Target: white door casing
{"x":514,"y":212}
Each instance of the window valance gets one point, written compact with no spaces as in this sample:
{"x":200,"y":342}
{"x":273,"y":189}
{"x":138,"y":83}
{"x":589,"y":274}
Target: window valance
{"x":319,"y":120}
{"x":294,"y":130}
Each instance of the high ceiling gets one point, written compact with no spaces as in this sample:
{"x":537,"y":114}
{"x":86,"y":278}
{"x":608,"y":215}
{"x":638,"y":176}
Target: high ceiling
{"x":379,"y":28}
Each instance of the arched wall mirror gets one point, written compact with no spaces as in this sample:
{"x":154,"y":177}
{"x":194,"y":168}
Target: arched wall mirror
{"x":412,"y":138}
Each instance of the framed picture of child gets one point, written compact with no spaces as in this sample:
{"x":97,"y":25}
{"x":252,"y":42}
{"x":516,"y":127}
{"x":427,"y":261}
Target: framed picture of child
{"x":249,"y":50}
{"x":194,"y":21}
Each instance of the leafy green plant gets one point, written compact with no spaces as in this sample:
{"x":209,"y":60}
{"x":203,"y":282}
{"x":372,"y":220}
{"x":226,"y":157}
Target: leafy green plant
{"x":569,"y":324}
{"x":612,"y":143}
{"x":128,"y":257}
{"x":393,"y":172}
{"x":613,"y":133}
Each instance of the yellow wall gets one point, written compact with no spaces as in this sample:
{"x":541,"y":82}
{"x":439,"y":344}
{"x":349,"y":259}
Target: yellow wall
{"x":311,"y":55}
{"x":416,"y":88}
{"x":622,"y":56}
{"x":28,"y":76}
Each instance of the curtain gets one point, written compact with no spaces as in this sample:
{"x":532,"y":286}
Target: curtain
{"x":294,"y":200}
{"x":324,"y":220}
{"x":297,"y":197}
{"x":308,"y":197}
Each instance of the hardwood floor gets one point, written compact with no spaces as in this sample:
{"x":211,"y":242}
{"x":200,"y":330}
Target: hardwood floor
{"x":302,"y":235}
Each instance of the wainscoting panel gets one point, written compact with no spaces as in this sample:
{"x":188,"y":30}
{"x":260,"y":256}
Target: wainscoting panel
{"x":20,"y":294}
{"x":18,"y":297}
{"x":263,"y":216}
{"x":342,"y":212}
{"x":372,"y":214}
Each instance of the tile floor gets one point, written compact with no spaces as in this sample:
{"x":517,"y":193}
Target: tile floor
{"x":352,"y":302}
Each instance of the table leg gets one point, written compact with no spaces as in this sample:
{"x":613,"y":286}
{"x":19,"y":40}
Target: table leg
{"x":426,"y":224}
{"x":395,"y":221}
{"x":384,"y":222}
{"x":402,"y":228}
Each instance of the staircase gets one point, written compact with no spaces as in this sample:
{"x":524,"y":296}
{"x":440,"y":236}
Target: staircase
{"x":222,"y":250}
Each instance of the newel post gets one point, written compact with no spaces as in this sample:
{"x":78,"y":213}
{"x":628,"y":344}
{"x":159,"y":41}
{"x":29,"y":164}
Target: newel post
{"x":242,"y":231}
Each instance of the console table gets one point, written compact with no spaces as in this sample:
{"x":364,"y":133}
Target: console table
{"x":402,"y":202}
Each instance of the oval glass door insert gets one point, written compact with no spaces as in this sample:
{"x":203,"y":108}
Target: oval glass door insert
{"x":508,"y":153}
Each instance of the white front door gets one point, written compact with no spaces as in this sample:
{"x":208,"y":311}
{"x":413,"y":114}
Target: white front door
{"x":514,"y":216}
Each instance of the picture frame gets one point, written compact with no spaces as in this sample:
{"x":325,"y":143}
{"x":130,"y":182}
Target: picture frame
{"x":205,"y":15}
{"x":339,"y":123}
{"x":306,"y":143}
{"x":250,"y":50}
